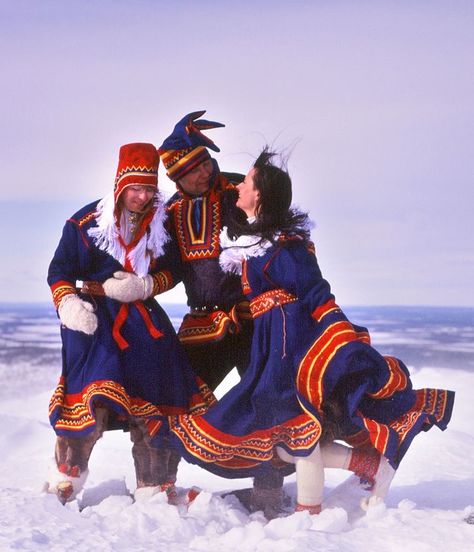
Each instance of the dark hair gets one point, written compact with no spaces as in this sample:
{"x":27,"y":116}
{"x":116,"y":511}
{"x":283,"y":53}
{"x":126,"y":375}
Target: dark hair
{"x":273,"y":210}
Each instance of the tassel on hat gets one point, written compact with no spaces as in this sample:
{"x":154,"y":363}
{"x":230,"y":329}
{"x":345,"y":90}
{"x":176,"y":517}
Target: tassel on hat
{"x":185,"y":147}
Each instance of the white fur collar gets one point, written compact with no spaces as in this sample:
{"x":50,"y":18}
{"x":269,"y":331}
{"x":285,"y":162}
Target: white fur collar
{"x":151,"y":245}
{"x":235,"y":251}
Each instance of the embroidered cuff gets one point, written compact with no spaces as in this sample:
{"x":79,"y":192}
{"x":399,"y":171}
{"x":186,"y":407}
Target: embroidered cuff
{"x":60,"y":290}
{"x":162,"y":281}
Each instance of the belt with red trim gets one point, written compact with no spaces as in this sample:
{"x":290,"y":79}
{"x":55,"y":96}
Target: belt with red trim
{"x":266,"y":301}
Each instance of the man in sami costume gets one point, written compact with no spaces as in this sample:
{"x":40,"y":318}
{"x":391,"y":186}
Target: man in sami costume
{"x":121,"y":356}
{"x":217,"y":331}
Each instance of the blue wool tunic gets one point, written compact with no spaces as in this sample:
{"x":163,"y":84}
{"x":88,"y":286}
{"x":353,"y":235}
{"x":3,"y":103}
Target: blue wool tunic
{"x":133,"y":363}
{"x":304,"y":352}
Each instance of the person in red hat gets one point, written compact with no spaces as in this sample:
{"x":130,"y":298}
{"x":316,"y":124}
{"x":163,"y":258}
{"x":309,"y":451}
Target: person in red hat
{"x":122,"y":361}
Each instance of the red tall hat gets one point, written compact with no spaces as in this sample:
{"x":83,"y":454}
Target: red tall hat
{"x":138,"y":164}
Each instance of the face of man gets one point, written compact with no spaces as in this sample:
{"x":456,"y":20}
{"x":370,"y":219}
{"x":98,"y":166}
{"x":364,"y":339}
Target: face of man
{"x":197,"y":181}
{"x":248,"y":194}
{"x":136,"y":197}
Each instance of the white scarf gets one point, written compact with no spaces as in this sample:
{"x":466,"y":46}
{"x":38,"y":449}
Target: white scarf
{"x":150,"y":246}
{"x":235,"y":251}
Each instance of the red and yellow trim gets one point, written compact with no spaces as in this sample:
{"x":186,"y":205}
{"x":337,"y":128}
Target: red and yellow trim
{"x":397,"y":380}
{"x":314,"y":364}
{"x":270,"y":299}
{"x":60,"y":289}
{"x":198,"y":329}
{"x":206,"y":244}
{"x":320,"y":312}
{"x":76,"y":411}
{"x":162,"y":281}
{"x":236,"y":452}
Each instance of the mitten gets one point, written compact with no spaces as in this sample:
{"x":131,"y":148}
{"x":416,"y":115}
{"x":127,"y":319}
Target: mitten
{"x":77,"y":314}
{"x":127,"y":287}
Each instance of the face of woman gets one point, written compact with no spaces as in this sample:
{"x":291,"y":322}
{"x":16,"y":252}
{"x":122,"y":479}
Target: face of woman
{"x":248,"y":194}
{"x":135,"y":198}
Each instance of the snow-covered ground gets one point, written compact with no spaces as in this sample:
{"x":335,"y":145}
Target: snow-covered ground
{"x":431,"y":496}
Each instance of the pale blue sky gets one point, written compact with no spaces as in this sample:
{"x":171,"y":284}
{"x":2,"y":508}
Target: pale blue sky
{"x":375,"y":100}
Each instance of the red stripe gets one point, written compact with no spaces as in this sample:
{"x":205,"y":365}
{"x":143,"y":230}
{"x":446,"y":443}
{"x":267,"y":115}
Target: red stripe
{"x":152,"y":329}
{"x":320,"y":311}
{"x":118,"y":323}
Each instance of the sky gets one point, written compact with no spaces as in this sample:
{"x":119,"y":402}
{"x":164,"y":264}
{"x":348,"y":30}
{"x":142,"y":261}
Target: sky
{"x":372,"y":101}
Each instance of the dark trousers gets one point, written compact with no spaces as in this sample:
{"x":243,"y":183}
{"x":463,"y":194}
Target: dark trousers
{"x":213,"y":361}
{"x":153,"y":466}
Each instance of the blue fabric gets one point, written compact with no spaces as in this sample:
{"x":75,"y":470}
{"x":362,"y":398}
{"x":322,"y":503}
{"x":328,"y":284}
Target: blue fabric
{"x":269,"y":402}
{"x":187,"y":133}
{"x":197,"y":208}
{"x":151,"y":378}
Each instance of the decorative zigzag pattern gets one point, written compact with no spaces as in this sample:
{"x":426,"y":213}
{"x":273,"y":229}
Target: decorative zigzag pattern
{"x":269,"y":299}
{"x":170,"y":157}
{"x":133,"y":168}
{"x":76,"y":411}
{"x":434,"y":402}
{"x":205,"y":248}
{"x":205,"y":443}
{"x":405,"y":423}
{"x":162,"y":281}
{"x":431,"y":402}
{"x":204,"y":329}
{"x":85,"y":219}
{"x":60,"y":289}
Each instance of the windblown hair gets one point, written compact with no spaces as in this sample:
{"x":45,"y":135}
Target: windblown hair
{"x":274,"y":214}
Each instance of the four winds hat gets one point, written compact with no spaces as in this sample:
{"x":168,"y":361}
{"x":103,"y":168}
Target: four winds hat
{"x":185,"y":147}
{"x":138,"y":165}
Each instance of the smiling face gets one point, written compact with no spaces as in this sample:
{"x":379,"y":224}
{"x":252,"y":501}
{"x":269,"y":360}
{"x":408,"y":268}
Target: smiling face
{"x":136,"y":198}
{"x":197,"y":181}
{"x":248,"y":194}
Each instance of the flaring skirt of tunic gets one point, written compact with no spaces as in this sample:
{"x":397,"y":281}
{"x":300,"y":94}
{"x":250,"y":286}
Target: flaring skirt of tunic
{"x":150,"y":378}
{"x":297,"y":366}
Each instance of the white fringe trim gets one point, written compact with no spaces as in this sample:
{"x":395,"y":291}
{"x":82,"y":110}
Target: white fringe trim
{"x":235,"y":251}
{"x":151,"y":246}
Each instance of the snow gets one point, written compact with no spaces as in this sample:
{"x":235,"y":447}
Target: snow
{"x":431,"y":496}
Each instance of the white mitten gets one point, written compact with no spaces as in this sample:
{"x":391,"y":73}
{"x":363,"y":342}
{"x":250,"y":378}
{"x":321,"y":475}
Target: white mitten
{"x":77,"y":314}
{"x":127,"y":287}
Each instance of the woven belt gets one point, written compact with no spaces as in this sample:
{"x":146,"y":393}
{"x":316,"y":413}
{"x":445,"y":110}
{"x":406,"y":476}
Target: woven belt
{"x":92,"y":288}
{"x":266,"y":301}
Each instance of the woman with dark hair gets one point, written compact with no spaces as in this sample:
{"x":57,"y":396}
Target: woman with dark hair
{"x":313,"y":376}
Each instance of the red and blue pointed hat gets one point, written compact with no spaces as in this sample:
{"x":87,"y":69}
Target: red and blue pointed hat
{"x":186,"y":147}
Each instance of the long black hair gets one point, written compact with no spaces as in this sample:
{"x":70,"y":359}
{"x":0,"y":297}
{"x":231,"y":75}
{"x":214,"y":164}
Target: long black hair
{"x":274,"y":214}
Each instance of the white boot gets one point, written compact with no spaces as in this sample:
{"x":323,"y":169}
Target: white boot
{"x":144,"y":493}
{"x":382,"y":480}
{"x":65,"y":486}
